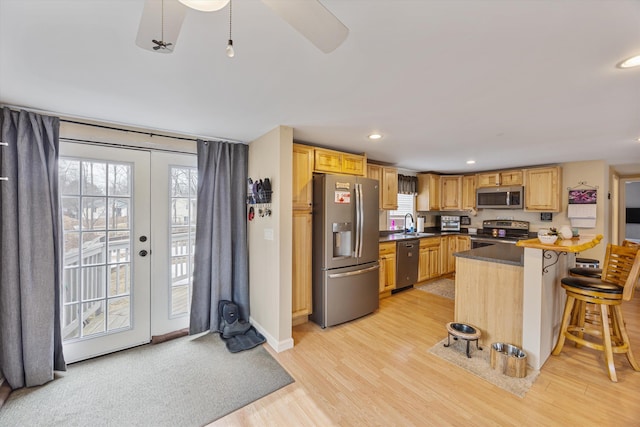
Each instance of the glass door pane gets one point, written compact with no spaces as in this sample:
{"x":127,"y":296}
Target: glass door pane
{"x":184,"y":184}
{"x":99,"y":221}
{"x":175,"y":185}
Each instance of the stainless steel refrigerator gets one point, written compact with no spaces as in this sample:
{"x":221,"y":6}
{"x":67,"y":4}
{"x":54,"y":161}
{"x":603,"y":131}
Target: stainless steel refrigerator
{"x":345,"y":248}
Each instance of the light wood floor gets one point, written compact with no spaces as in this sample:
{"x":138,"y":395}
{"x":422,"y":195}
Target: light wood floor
{"x":376,"y":371}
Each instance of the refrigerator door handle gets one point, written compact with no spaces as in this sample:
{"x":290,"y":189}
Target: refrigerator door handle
{"x":361,"y":209}
{"x":354,"y":273}
{"x":361,"y":221}
{"x":357,"y":249}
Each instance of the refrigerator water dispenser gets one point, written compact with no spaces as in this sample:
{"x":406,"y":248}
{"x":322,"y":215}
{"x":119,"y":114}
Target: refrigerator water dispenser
{"x":342,"y":239}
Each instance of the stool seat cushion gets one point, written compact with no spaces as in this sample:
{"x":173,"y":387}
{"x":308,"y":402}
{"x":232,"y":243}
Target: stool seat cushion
{"x":594,"y":273}
{"x":590,"y":285}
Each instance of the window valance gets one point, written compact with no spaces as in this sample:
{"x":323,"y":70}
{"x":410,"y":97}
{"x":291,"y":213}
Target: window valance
{"x":407,"y":184}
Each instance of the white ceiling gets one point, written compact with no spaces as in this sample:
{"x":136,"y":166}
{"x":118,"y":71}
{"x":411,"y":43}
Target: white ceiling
{"x":507,"y":83}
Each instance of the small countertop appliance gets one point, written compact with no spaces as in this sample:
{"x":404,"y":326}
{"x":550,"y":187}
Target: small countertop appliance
{"x":449,"y":223}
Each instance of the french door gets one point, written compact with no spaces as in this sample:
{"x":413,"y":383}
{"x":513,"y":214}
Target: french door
{"x":118,"y":228}
{"x":174,"y":180}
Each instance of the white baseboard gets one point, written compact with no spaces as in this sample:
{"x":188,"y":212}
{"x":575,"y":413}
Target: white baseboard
{"x":278,"y":346}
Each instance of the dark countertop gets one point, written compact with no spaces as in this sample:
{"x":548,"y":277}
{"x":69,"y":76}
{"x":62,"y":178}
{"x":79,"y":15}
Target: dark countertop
{"x":396,"y":235}
{"x":502,"y":253}
{"x":410,"y":236}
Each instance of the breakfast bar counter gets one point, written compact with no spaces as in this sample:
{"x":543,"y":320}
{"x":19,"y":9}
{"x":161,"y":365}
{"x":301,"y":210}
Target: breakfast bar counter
{"x":512,"y":293}
{"x":544,"y":266}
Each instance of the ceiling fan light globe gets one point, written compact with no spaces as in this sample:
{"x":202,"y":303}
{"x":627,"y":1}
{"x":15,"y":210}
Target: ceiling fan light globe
{"x":205,"y":5}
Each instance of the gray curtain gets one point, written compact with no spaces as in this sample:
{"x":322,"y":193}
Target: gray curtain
{"x":221,"y":270}
{"x":30,"y":245}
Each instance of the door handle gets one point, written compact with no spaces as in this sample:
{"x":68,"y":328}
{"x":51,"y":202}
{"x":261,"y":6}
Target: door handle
{"x":353,"y":273}
{"x":143,"y":253}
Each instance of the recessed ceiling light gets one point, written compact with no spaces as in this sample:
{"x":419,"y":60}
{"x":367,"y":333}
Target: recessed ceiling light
{"x":471,"y":162}
{"x":634,"y":61}
{"x":375,"y":136}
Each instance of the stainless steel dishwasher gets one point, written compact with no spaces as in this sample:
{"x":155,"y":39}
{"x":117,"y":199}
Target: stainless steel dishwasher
{"x":407,"y":257}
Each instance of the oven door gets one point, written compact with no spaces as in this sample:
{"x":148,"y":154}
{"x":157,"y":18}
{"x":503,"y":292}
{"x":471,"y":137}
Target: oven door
{"x":479,"y":242}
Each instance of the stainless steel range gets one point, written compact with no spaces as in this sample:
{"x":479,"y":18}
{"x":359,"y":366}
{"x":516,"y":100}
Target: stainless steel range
{"x":500,"y":231}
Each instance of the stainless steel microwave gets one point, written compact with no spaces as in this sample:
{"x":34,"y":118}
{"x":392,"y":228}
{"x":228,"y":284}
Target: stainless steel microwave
{"x":500,"y":198}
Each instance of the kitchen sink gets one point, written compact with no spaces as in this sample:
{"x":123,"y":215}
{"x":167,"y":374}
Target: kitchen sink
{"x":413,"y":234}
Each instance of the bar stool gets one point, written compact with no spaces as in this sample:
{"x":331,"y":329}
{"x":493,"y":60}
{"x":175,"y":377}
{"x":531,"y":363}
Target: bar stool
{"x":596,"y":273}
{"x":619,"y":276}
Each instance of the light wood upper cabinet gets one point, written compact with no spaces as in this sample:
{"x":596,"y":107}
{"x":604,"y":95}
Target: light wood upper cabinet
{"x":327,"y":161}
{"x":375,"y":172}
{"x":387,"y":252}
{"x":302,"y":177}
{"x":353,"y":164}
{"x":337,"y":162}
{"x":428,"y":192}
{"x":301,"y":304}
{"x":542,"y":189}
{"x":388,"y":189}
{"x":451,"y":193}
{"x":506,"y":178}
{"x":468,"y":192}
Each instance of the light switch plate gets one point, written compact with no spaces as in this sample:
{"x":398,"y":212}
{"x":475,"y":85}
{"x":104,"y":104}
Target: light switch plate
{"x":268,"y":234}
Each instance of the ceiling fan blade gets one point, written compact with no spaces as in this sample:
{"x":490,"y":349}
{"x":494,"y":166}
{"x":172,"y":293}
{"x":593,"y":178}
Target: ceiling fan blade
{"x":151,"y":23}
{"x":311,"y":19}
{"x":205,"y":5}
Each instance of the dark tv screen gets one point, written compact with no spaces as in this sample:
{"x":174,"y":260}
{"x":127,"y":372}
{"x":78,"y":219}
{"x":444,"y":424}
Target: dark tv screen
{"x":633,"y":216}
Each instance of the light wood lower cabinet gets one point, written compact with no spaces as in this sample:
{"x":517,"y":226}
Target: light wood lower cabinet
{"x":490,"y":296}
{"x":429,"y":265}
{"x":387,"y":266}
{"x":463,"y":243}
{"x":301,"y":280}
{"x":447,"y":260}
{"x":448,"y":246}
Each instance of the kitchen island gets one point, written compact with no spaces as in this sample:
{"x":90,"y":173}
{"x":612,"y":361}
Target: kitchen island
{"x":513,"y":293}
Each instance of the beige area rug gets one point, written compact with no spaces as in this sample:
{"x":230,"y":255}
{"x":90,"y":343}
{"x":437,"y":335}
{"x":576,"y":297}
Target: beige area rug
{"x":479,"y":364}
{"x":190,"y":381}
{"x":443,"y":287}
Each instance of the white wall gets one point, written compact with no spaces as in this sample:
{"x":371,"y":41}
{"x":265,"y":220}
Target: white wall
{"x":270,"y":241}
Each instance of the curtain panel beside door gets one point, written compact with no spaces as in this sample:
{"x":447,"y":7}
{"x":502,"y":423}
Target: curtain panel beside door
{"x":221,"y":260}
{"x":30,"y":241}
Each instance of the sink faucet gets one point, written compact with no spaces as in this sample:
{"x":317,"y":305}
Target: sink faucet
{"x":408,"y":214}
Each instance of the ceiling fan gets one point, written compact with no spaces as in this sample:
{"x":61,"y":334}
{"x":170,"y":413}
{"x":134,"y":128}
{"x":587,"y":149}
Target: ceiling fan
{"x":309,"y":17}
{"x":161,"y":45}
